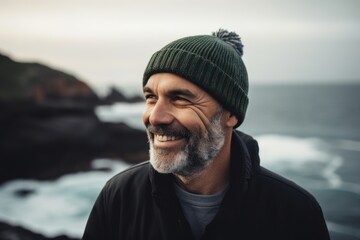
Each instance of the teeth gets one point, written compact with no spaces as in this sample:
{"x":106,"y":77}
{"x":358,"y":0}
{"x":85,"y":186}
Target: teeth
{"x":164,"y":138}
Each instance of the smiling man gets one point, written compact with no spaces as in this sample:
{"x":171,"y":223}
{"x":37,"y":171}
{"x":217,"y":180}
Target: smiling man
{"x":204,"y":179}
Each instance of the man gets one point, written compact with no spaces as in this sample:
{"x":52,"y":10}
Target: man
{"x":203,"y":180}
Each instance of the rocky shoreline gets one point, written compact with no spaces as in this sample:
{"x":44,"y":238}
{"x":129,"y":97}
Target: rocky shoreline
{"x":47,"y":141}
{"x":48,"y":128}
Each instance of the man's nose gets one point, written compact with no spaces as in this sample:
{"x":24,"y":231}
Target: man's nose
{"x":161,"y":113}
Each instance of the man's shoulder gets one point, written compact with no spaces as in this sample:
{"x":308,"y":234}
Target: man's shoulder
{"x":282,"y":189}
{"x":135,"y":174}
{"x":276,"y":201}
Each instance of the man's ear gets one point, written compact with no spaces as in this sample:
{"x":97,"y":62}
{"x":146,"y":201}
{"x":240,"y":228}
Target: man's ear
{"x":230,"y":119}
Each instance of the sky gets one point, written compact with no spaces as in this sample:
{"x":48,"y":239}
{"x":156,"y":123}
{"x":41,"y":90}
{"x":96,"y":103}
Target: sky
{"x":108,"y":43}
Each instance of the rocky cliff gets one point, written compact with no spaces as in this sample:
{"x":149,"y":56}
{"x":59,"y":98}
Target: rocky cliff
{"x":48,"y":126}
{"x":39,"y":83}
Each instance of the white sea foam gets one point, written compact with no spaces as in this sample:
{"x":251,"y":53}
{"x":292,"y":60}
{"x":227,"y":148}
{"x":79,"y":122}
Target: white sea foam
{"x":55,"y":207}
{"x":306,"y":156}
{"x":129,"y":113}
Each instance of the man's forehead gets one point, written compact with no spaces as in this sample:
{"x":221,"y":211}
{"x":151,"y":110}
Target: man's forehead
{"x":171,"y":82}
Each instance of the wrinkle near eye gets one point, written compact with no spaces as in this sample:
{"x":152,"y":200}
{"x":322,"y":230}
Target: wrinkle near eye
{"x":201,"y":115}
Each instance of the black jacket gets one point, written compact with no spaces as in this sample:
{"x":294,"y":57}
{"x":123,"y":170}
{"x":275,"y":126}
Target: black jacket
{"x":140,"y":203}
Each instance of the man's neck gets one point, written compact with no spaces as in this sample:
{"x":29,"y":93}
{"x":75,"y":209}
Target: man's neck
{"x":215,"y":177}
{"x":211,"y":180}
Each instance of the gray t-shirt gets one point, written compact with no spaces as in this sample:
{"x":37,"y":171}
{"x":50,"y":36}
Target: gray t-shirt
{"x":199,"y":210}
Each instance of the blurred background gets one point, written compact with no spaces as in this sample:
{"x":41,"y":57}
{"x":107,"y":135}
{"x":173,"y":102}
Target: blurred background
{"x":70,"y":99}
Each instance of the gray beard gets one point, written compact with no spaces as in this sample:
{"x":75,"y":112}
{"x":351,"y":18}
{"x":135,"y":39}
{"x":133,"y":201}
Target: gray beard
{"x":196,"y":155}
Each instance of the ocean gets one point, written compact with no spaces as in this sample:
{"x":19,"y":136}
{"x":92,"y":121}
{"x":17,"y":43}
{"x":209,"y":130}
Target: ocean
{"x":307,"y":133}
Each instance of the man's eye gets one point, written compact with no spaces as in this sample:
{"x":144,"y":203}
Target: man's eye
{"x":175,"y":98}
{"x":150,"y":97}
{"x":179,"y":99}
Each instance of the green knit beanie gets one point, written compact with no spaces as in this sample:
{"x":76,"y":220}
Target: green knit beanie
{"x":213,"y":62}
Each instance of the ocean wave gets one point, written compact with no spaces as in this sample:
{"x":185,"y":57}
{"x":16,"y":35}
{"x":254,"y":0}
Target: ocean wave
{"x":343,"y":229}
{"x":347,"y":144}
{"x":306,"y":156}
{"x":129,"y":113}
{"x":55,"y":207}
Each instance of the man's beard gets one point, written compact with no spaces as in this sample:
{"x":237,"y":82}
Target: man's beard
{"x":197,"y":154}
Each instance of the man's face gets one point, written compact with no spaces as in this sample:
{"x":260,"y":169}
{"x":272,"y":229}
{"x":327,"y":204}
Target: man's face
{"x":184,"y":125}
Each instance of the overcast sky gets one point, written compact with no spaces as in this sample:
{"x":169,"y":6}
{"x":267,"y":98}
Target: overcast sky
{"x":109,"y":43}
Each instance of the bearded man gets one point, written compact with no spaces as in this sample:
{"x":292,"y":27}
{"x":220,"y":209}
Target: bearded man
{"x":204,"y":179}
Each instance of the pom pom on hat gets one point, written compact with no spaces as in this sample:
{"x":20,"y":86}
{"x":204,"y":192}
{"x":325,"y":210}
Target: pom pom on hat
{"x":231,"y":38}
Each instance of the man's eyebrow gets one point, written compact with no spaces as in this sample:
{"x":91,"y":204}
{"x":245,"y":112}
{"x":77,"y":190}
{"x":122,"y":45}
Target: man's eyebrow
{"x":182,"y":92}
{"x":174,"y":92}
{"x":147,"y":90}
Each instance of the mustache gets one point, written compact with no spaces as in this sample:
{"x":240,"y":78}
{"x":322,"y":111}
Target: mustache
{"x":168,"y":130}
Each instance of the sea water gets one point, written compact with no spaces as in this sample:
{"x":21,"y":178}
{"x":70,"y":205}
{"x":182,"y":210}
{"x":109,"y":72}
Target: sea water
{"x":309,"y":134}
{"x":56,"y":207}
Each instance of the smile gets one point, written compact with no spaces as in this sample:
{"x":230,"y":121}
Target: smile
{"x":165,"y":138}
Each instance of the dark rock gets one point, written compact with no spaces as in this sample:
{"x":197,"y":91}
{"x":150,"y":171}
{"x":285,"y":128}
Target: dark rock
{"x":39,"y":83}
{"x":9,"y":232}
{"x":115,"y":96}
{"x":48,"y":126}
{"x":45,"y":141}
{"x":24,"y":192}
